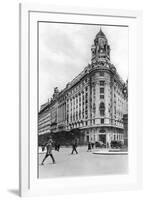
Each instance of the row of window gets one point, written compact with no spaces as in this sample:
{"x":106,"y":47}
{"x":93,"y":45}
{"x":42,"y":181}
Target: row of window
{"x":85,"y":124}
{"x":44,"y":120}
{"x":84,"y":82}
{"x":44,"y":117}
{"x":44,"y":123}
{"x":93,"y":121}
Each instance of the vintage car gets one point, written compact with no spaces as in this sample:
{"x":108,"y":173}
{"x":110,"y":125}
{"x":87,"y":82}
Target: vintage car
{"x":116,"y":144}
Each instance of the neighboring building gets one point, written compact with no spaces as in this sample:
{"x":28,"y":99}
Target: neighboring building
{"x":44,"y":120}
{"x":125,"y":122}
{"x":94,"y":101}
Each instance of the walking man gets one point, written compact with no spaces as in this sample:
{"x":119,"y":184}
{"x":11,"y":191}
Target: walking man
{"x":92,"y":145}
{"x":49,"y":152}
{"x":74,"y":146}
{"x":89,"y":146}
{"x":57,"y":147}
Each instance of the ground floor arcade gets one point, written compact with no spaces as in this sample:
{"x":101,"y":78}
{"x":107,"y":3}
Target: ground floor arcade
{"x":103,"y":134}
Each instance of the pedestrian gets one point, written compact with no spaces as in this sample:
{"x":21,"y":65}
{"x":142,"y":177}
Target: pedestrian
{"x":92,"y":145}
{"x":49,"y":152}
{"x":58,"y":147}
{"x":89,"y":146}
{"x":74,"y":147}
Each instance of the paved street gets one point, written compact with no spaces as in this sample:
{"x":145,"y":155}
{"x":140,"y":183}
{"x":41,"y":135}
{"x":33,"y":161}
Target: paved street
{"x":84,"y":163}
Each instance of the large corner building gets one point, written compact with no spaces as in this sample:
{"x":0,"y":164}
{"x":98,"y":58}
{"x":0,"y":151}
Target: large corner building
{"x":94,"y":101}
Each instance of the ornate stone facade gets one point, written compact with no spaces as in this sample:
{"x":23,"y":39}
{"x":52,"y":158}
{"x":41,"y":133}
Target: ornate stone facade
{"x":95,"y":101}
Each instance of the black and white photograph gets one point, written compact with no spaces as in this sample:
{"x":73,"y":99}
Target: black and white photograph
{"x":83,"y":99}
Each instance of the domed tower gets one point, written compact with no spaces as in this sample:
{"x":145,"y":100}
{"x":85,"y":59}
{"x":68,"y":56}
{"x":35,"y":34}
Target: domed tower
{"x":100,"y":49}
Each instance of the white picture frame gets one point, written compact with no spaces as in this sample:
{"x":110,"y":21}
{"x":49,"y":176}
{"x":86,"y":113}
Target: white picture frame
{"x":29,"y":184}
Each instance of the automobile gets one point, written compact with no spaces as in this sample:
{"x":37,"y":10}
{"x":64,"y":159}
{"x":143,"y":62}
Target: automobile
{"x":116,"y":144}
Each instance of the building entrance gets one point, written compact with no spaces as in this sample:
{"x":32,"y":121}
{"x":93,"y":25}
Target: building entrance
{"x":102,"y":138}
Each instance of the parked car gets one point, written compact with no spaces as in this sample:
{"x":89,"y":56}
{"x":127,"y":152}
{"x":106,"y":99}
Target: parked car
{"x":116,"y":144}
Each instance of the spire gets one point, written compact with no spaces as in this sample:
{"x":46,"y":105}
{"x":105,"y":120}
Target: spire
{"x":100,"y":34}
{"x":100,"y":49}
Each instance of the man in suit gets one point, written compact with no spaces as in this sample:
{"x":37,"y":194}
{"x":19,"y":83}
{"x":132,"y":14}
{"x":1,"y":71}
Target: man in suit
{"x":49,"y":152}
{"x":74,"y":146}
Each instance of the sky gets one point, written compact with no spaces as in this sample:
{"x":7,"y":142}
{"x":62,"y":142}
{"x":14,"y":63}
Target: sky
{"x":65,"y":49}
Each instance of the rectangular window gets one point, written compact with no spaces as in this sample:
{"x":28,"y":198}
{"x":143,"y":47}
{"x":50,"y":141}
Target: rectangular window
{"x":101,"y":90}
{"x":102,"y":83}
{"x":101,"y":96}
{"x":102,"y":121}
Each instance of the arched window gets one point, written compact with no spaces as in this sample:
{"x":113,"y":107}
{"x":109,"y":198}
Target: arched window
{"x":102,"y":109}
